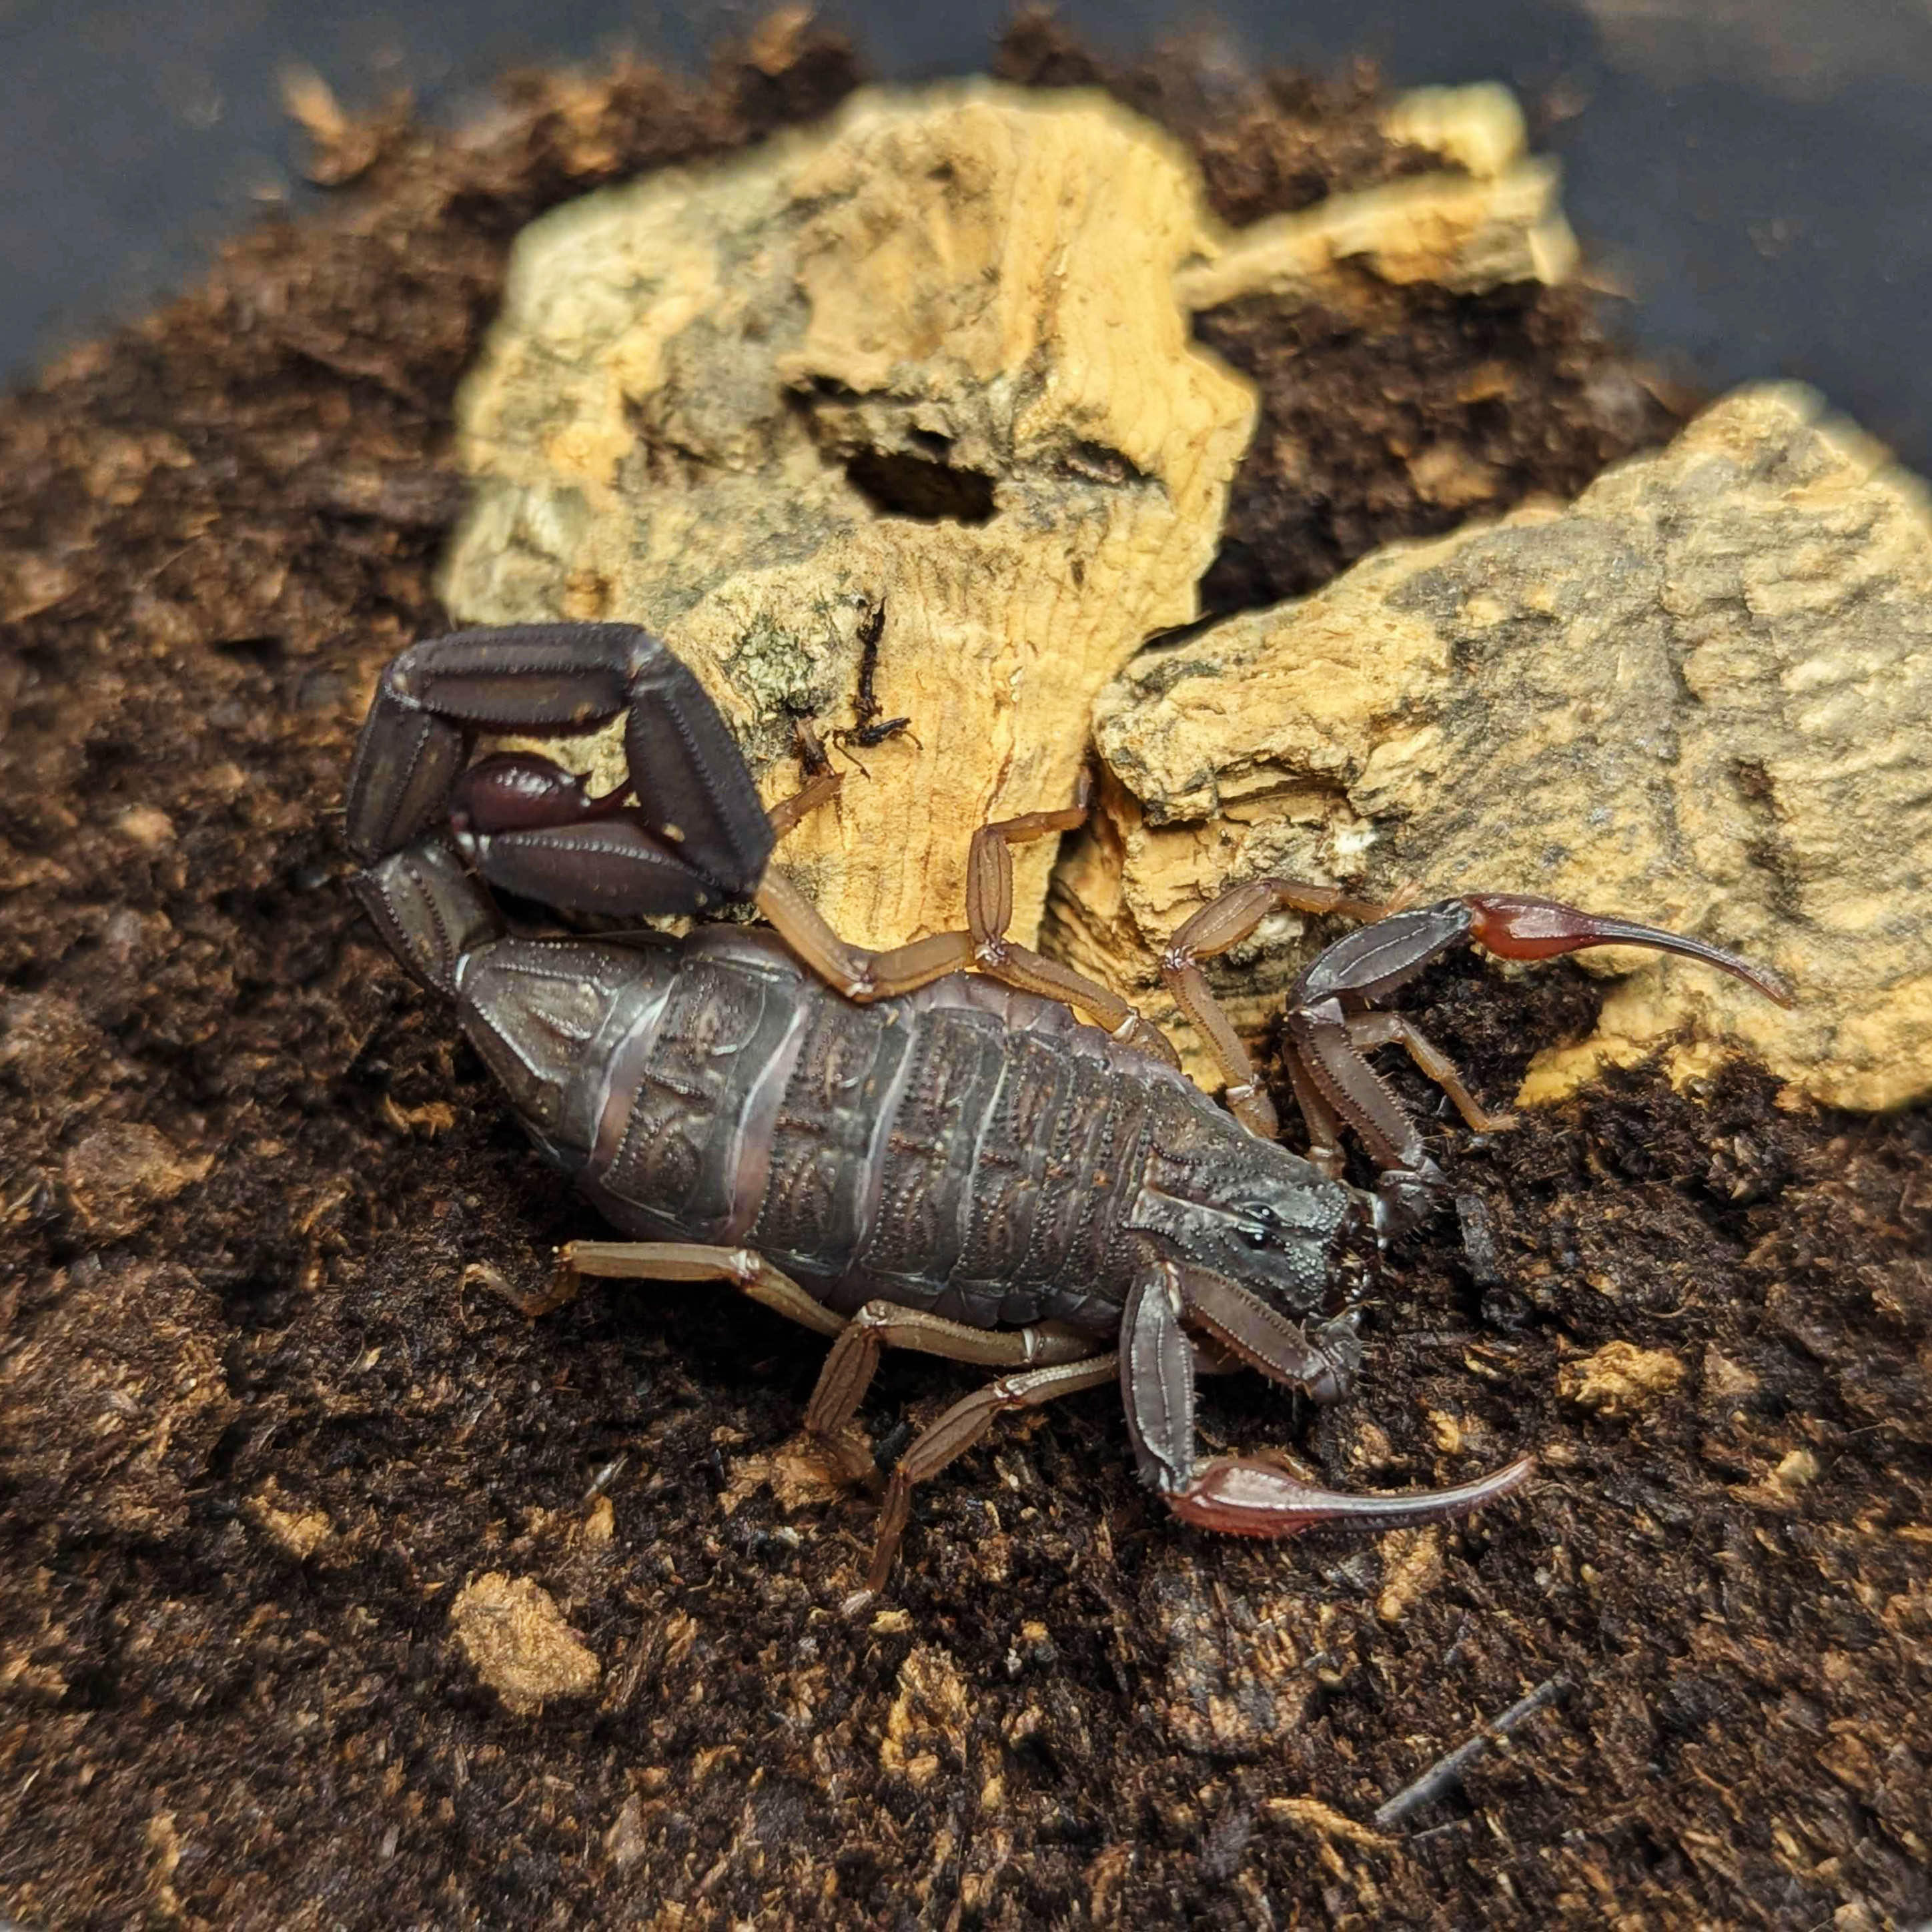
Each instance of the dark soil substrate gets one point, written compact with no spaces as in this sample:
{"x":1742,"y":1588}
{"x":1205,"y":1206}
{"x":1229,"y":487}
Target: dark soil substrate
{"x":260,"y":1428}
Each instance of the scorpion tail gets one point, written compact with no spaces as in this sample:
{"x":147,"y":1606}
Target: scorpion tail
{"x":1252,"y":1497}
{"x":430,"y":909}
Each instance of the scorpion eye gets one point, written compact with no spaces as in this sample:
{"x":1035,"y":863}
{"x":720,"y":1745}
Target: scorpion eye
{"x":1259,"y":1226}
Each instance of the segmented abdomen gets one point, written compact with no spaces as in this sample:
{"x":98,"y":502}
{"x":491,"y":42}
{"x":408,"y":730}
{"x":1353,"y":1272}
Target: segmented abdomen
{"x":964,"y":1149}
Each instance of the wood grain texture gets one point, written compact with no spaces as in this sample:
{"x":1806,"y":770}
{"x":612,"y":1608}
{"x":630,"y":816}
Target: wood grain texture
{"x":929,"y":354}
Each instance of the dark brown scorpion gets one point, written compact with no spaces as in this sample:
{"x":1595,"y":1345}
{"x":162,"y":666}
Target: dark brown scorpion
{"x":886,"y":1147}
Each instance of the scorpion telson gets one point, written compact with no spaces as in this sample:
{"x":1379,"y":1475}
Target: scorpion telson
{"x":956,"y":1146}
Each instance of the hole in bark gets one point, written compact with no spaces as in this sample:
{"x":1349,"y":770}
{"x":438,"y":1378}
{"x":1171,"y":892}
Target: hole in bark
{"x":1096,"y":463}
{"x":898,"y":485}
{"x":264,"y":653}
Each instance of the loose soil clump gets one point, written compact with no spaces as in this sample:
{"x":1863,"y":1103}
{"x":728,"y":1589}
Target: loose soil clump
{"x":270,"y":1413}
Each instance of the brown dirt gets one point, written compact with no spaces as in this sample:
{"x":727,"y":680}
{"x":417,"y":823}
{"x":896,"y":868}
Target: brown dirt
{"x":281,"y":1464}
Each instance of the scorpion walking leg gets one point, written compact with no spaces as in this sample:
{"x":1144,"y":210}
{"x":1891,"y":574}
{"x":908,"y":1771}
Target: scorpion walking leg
{"x":856,"y":973}
{"x":854,"y":1359}
{"x":1225,"y":922}
{"x":989,"y":910}
{"x":820,"y":788}
{"x":963,"y":1424}
{"x":749,"y":1273}
{"x":852,"y":969}
{"x":1324,"y":1124}
{"x":867,"y":976}
{"x":1367,"y":1030}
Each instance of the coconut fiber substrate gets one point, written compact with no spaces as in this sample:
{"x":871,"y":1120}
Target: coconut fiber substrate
{"x":269,"y":1408}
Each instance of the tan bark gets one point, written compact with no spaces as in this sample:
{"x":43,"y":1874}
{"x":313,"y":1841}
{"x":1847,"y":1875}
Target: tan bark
{"x":927,"y":354}
{"x":1700,"y":696}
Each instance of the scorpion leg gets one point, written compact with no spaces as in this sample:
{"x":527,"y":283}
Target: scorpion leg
{"x":855,"y":971}
{"x":1224,"y":922}
{"x":819,"y":788}
{"x":989,"y":910}
{"x":854,"y":1359}
{"x":696,"y":834}
{"x":963,"y":1425}
{"x":1366,"y":1030}
{"x":1324,"y":1124}
{"x":750,"y":1273}
{"x":1326,"y":1033}
{"x":1259,"y":1495}
{"x":867,"y":976}
{"x":858,"y":973}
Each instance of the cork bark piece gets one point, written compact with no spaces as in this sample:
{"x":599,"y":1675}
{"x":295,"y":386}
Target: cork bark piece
{"x":1699,"y":696}
{"x":1491,"y":217}
{"x":1456,"y":234}
{"x":926,"y":356}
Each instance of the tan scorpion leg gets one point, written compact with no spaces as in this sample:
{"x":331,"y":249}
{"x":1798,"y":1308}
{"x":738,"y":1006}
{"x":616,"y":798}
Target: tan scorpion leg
{"x":750,"y":1273}
{"x":1366,"y":1030}
{"x":963,"y":1425}
{"x":868,"y":976}
{"x":1049,"y":1350}
{"x":1225,"y":922}
{"x":854,"y":1359}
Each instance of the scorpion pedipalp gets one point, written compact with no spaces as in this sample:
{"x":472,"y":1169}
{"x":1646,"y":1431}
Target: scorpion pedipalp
{"x":1518,"y":926}
{"x":1328,"y":1030}
{"x":1251,"y":1496}
{"x":1259,"y":1495}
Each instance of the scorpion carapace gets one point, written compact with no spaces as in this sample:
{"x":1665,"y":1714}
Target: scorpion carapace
{"x":924,"y":1148}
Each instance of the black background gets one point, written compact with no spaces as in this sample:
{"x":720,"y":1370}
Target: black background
{"x":1756,"y":173}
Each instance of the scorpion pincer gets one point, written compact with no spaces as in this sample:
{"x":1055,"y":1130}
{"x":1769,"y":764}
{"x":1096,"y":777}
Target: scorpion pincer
{"x":924,"y":1148}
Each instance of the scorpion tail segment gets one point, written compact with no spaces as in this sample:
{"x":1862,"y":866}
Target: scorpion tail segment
{"x":407,"y":762}
{"x":693,"y":789}
{"x":429,"y":909}
{"x":439,"y":694}
{"x":1249,"y":1497}
{"x":614,"y":867}
{"x":1514,"y":925}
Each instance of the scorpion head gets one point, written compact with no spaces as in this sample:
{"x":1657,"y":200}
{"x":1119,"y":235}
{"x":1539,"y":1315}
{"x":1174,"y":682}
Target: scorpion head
{"x":1216,"y":1197}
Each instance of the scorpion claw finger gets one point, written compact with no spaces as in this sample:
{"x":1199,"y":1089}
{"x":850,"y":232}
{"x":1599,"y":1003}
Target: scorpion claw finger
{"x":1520,"y":925}
{"x":1253,"y":1497}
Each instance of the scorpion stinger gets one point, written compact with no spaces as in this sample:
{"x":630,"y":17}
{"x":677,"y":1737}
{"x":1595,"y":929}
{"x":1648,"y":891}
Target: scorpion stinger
{"x":685,"y":834}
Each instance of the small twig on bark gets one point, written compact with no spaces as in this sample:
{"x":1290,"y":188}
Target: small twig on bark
{"x":1447,"y":1771}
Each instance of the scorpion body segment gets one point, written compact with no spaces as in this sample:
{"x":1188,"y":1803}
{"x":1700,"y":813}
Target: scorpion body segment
{"x":888,"y":1148}
{"x":969,"y":1149}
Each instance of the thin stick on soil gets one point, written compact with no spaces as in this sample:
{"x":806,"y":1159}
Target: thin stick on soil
{"x":1448,"y":1770}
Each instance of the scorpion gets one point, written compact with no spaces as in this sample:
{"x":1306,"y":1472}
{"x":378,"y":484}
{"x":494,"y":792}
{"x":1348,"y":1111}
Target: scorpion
{"x":956,"y":1146}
